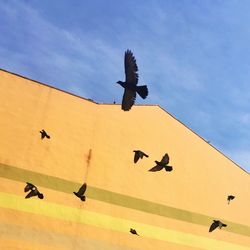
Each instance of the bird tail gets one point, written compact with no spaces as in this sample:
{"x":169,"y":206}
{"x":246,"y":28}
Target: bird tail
{"x":142,"y":91}
{"x":169,"y":168}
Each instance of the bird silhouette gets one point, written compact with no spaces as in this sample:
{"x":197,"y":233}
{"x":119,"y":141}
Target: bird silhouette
{"x":216,"y":224}
{"x":44,"y":134}
{"x":130,"y":84}
{"x":133,"y":231}
{"x":229,"y":198}
{"x":138,"y":154}
{"x":81,"y":191}
{"x":33,"y":191}
{"x":162,"y":164}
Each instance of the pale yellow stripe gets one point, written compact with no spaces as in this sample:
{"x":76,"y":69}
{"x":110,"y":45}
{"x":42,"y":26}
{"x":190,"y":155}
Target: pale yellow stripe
{"x":84,"y":232}
{"x":108,"y":222}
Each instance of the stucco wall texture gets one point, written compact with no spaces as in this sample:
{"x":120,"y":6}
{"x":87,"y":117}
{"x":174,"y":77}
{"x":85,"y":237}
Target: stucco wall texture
{"x":94,"y":143}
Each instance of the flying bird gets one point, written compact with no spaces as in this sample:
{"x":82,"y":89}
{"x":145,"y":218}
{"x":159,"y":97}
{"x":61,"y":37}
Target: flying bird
{"x":44,"y":134}
{"x":33,"y":191}
{"x":216,"y":224}
{"x":81,"y":191}
{"x":130,"y":84}
{"x":229,"y":198}
{"x":133,"y":231}
{"x":162,"y":164}
{"x":138,"y":154}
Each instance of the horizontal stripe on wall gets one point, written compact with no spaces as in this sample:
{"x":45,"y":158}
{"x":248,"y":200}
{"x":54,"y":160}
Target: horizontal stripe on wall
{"x":41,"y":207}
{"x":67,"y":186}
{"x":52,"y":239}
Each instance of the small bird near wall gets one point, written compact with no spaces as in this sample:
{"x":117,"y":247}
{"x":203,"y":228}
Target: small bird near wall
{"x":44,"y":134}
{"x":162,"y":164}
{"x":33,"y":191}
{"x":81,"y":192}
{"x":216,"y":224}
{"x":133,"y":231}
{"x":139,"y":155}
{"x":229,"y":198}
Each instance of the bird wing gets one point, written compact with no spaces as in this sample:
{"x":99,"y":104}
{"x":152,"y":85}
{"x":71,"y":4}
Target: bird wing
{"x":82,"y":189}
{"x":165,"y":159}
{"x":156,"y":168}
{"x":137,"y":156}
{"x":213,"y":226}
{"x":42,"y":134}
{"x":128,"y":99}
{"x":130,"y":68}
{"x":29,"y":187}
{"x":31,"y":194}
{"x":76,"y":194}
{"x":143,"y":154}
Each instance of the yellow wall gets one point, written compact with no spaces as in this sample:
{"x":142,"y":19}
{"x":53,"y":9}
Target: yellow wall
{"x":94,"y":143}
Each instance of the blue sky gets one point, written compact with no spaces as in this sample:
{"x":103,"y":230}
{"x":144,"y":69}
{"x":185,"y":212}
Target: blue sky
{"x":194,"y":55}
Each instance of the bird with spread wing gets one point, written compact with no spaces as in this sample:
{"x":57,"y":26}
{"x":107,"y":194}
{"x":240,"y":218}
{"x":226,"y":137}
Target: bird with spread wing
{"x":81,"y":192}
{"x":162,"y":164}
{"x":33,"y":191}
{"x":131,"y":81}
{"x":138,"y":154}
{"x":44,"y":134}
{"x":229,"y":198}
{"x":216,"y":224}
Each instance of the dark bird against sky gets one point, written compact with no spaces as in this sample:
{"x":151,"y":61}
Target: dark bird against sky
{"x":216,"y":224}
{"x":130,"y":84}
{"x":44,"y":134}
{"x":229,"y":198}
{"x":162,"y":164}
{"x":138,"y":154}
{"x":81,"y":191}
{"x":33,"y":191}
{"x":133,"y":231}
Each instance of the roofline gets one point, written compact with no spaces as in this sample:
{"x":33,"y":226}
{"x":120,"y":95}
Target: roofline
{"x":49,"y":86}
{"x":204,"y":140}
{"x":152,"y":105}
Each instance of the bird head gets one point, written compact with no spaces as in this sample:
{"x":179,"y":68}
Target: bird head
{"x":40,"y":196}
